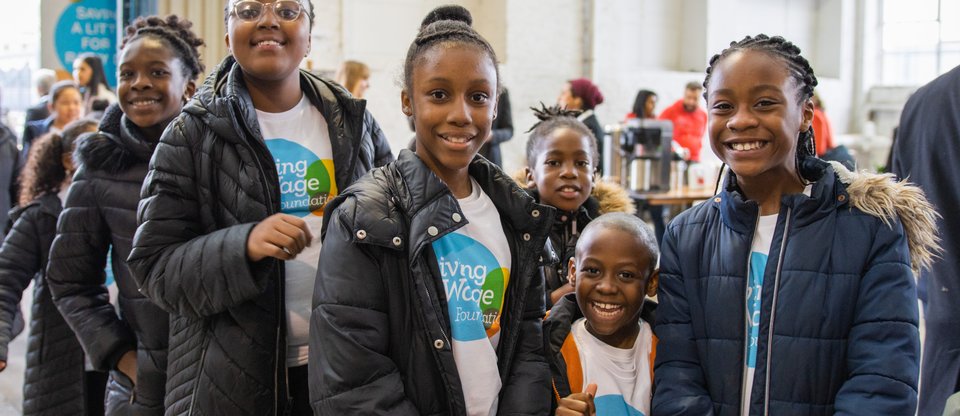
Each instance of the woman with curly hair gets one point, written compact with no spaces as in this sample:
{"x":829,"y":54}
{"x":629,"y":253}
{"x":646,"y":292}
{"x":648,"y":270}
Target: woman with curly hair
{"x":55,"y":381}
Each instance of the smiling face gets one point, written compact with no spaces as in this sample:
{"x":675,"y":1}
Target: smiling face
{"x":755,"y":116}
{"x":452,"y":99}
{"x":612,"y":273}
{"x":152,"y":84}
{"x":563,"y":172}
{"x":268,"y":49}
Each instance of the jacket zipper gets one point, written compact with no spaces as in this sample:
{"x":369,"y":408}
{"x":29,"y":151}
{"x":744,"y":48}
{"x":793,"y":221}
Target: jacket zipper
{"x":773,"y":315}
{"x":746,"y":329}
{"x":280,"y":280}
{"x":196,"y":385}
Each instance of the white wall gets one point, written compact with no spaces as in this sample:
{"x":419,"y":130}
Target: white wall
{"x":656,"y":44}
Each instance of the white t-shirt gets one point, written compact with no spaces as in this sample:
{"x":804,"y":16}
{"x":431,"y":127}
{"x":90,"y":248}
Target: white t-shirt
{"x":762,"y":238}
{"x":299,"y":143}
{"x":624,"y":377}
{"x":475,"y":267}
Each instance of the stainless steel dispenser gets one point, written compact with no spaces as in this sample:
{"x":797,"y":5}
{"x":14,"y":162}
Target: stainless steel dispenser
{"x":641,"y":151}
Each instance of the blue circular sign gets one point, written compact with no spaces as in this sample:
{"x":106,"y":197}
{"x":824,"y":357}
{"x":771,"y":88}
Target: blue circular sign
{"x":88,"y":26}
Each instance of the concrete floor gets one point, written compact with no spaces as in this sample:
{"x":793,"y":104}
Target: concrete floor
{"x":11,"y":379}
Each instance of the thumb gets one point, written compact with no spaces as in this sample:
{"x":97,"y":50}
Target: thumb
{"x":591,"y":389}
{"x":591,"y":392}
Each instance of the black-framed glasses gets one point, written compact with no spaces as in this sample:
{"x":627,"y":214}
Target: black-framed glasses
{"x":252,"y":11}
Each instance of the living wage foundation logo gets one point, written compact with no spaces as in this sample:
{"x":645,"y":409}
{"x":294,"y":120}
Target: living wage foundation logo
{"x":475,"y":285}
{"x":306,"y":182}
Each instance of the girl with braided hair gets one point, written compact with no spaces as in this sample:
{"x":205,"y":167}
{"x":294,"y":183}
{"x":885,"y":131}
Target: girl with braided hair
{"x":158,"y":65}
{"x":792,"y":291}
{"x":55,"y":382}
{"x":562,"y":157}
{"x":428,"y":300}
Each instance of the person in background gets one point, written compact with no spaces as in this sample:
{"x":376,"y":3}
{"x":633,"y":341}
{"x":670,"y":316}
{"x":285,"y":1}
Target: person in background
{"x":229,"y":224}
{"x":65,"y":105}
{"x":158,"y":64}
{"x":792,"y":291}
{"x":644,"y":105}
{"x":599,"y":340}
{"x":355,"y":77}
{"x":89,"y":75}
{"x":43,"y":81}
{"x":561,"y":164}
{"x":9,"y":163}
{"x":582,"y":95}
{"x":428,"y":300}
{"x":822,"y":132}
{"x":502,"y":131}
{"x":926,"y":151}
{"x":55,"y":382}
{"x":689,"y":120}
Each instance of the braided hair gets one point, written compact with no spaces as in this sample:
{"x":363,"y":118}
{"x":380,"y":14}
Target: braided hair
{"x":173,"y":31}
{"x":801,"y":71}
{"x":553,"y":118}
{"x":445,"y":24}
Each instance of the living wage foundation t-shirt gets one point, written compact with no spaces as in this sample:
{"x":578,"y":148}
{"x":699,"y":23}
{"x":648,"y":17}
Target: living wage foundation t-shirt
{"x":624,"y":376}
{"x":475,"y":266}
{"x":299,"y":143}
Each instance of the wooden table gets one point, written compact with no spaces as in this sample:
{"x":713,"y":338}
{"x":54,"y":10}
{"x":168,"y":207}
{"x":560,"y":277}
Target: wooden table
{"x":685,"y":196}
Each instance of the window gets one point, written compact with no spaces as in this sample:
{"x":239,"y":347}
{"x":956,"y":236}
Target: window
{"x":920,"y":40}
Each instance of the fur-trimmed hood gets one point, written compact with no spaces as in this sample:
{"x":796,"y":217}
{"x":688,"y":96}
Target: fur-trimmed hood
{"x":881,"y":195}
{"x":117,"y":146}
{"x":606,"y":196}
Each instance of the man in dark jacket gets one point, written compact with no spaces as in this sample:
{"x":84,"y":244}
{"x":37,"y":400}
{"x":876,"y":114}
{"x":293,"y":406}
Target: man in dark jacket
{"x":502,"y":131}
{"x":212,"y":181}
{"x":926,"y":152}
{"x":9,"y":163}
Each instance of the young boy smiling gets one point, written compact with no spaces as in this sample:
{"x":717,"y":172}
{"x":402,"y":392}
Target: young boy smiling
{"x":600,"y":336}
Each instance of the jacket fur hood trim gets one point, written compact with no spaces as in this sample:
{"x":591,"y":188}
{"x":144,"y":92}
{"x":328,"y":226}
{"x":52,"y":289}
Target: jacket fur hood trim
{"x":882,"y":196}
{"x":610,"y":196}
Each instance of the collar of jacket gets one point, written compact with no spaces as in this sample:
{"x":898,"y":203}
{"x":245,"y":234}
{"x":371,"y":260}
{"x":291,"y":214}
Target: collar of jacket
{"x":223,"y":103}
{"x":116,"y":147}
{"x":740,"y":214}
{"x":49,"y":204}
{"x":424,"y":201}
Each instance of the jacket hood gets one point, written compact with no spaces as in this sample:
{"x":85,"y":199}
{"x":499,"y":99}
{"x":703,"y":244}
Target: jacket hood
{"x":49,"y":204}
{"x":223,"y":102}
{"x":116,"y":147}
{"x":881,"y":195}
{"x":606,"y":197}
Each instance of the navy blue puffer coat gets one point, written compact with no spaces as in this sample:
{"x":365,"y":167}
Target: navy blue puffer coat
{"x":838,"y":329}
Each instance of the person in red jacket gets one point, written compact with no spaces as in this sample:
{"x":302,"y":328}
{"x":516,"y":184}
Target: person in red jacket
{"x":689,"y":120}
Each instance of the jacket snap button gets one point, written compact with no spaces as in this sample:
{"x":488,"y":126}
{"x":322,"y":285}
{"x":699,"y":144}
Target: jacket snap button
{"x":841,"y":198}
{"x":438,"y":344}
{"x":456,"y":217}
{"x":535,"y":213}
{"x":433,"y":231}
{"x":526,"y":236}
{"x":361,"y":234}
{"x":397,"y":241}
{"x":717,"y":199}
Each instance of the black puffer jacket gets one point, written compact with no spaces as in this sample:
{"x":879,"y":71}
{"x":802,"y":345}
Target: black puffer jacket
{"x":212,"y":180}
{"x":53,"y":384}
{"x":379,"y":333}
{"x":100,"y":212}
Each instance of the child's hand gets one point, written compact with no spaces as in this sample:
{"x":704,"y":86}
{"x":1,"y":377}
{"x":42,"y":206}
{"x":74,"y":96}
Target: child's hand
{"x":281,"y":236}
{"x":579,"y":403}
{"x":560,"y":292}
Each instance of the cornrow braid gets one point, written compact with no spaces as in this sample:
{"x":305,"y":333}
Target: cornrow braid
{"x":801,"y":71}
{"x":176,"y":33}
{"x":553,"y":118}
{"x":446,"y":24}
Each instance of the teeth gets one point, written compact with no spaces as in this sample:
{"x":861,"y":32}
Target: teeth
{"x":606,"y":309}
{"x":268,"y":42}
{"x":568,"y":189}
{"x":144,"y":102}
{"x":747,"y":146}
{"x":458,"y":140}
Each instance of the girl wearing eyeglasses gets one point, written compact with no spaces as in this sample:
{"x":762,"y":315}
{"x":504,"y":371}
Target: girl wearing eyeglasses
{"x":229,"y":235}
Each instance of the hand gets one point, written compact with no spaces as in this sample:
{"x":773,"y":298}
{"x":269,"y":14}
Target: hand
{"x":560,"y":292}
{"x":579,"y":403}
{"x":3,"y":365}
{"x":128,"y":365}
{"x":280,"y":236}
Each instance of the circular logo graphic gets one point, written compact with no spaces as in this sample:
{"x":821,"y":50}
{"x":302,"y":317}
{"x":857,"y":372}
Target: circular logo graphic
{"x":88,"y":26}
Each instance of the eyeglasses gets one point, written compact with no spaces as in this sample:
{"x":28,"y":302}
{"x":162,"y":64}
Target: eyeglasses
{"x":251,"y":11}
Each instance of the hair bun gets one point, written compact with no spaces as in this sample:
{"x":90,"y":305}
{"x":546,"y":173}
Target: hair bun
{"x":448,"y":12}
